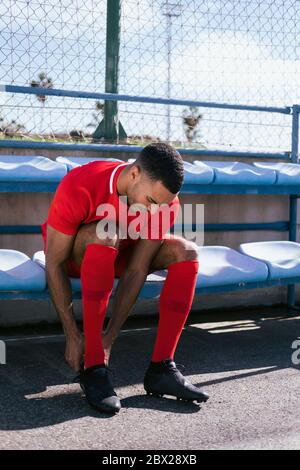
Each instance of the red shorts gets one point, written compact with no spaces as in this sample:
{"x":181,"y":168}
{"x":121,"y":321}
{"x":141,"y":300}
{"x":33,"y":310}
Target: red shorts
{"x":125,"y":251}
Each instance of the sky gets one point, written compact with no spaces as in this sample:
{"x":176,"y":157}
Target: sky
{"x":238,"y":51}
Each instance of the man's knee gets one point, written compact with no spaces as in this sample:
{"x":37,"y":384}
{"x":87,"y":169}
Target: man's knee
{"x":184,"y":250}
{"x":87,"y":235}
{"x":93,"y":236}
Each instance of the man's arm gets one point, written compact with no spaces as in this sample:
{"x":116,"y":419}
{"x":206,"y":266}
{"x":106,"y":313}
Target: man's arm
{"x":130,"y":285}
{"x":58,"y":250}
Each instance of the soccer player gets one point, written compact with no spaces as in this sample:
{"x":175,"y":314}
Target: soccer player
{"x":88,"y":200}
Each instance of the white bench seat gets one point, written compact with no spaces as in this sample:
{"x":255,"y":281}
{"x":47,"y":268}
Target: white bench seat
{"x":19,"y":273}
{"x":239,"y":173}
{"x":221,"y":266}
{"x":281,"y":257}
{"x":30,"y":169}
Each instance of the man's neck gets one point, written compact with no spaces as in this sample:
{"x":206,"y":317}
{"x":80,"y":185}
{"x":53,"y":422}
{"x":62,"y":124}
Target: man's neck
{"x":121,"y":185}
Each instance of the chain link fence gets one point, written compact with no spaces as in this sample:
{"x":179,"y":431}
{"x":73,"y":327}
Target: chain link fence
{"x":244,"y":52}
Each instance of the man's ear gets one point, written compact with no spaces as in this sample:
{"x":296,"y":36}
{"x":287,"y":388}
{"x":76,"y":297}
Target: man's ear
{"x":135,"y":172}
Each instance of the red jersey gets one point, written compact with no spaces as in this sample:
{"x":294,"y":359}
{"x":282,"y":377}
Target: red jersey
{"x":83,"y":189}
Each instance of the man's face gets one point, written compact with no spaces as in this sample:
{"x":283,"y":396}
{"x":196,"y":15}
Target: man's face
{"x":142,"y":190}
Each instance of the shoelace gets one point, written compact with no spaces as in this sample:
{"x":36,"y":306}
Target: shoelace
{"x":176,"y":368}
{"x":77,"y":377}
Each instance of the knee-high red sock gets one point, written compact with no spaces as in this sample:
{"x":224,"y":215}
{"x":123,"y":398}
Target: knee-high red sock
{"x":174,"y":305}
{"x":97,"y":279}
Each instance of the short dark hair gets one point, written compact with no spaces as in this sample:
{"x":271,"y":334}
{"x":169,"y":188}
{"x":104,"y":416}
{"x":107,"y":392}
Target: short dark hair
{"x":163,"y":163}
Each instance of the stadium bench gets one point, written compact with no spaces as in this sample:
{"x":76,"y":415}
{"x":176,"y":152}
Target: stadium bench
{"x":222,"y":269}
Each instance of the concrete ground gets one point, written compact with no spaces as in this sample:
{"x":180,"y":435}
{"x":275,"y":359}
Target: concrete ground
{"x":242,"y":358}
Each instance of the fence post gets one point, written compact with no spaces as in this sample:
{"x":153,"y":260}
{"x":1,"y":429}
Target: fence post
{"x":291,"y":296}
{"x":110,"y":129}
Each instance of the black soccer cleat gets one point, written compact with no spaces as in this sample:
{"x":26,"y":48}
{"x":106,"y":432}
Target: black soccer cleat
{"x":97,"y":385}
{"x":164,"y":378}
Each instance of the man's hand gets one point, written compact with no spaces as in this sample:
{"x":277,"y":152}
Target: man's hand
{"x":74,"y":351}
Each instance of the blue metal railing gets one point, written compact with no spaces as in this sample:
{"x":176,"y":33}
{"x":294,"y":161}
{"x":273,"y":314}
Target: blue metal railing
{"x":141,"y":99}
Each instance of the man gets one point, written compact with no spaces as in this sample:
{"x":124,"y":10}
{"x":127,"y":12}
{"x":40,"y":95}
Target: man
{"x":76,"y":246}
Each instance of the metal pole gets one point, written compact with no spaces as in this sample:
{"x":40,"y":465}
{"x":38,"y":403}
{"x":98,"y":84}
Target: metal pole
{"x":110,"y":129}
{"x":170,"y":12}
{"x":169,"y":41}
{"x":291,"y":295}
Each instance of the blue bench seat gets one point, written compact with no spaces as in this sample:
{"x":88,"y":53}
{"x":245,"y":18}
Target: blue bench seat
{"x":30,"y":169}
{"x":221,"y":266}
{"x":239,"y":173}
{"x":286,"y":173}
{"x":19,"y":273}
{"x":38,"y":169}
{"x":40,"y":174}
{"x":221,"y":269}
{"x":281,"y":257}
{"x":197,"y":174}
{"x":218,"y":266}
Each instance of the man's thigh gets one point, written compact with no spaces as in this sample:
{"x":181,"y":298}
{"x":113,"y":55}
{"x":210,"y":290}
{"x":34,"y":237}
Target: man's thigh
{"x":173,"y":249}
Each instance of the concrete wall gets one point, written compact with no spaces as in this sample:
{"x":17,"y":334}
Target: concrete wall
{"x":32,"y":209}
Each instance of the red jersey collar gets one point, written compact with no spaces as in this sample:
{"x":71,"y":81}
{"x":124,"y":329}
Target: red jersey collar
{"x":113,"y":178}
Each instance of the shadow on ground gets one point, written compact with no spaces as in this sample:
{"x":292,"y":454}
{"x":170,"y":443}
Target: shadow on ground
{"x":36,"y":384}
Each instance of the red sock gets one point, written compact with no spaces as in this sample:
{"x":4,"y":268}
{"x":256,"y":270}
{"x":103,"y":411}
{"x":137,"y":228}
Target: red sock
{"x":174,"y":305}
{"x":97,"y":279}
